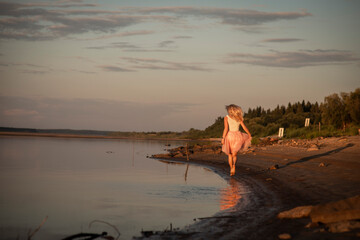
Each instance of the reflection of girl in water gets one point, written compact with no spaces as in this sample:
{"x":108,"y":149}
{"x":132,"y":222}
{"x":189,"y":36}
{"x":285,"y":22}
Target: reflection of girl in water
{"x":230,"y":195}
{"x":233,"y":140}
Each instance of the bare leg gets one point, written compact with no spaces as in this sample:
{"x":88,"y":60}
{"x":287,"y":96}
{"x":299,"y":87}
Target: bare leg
{"x":234,"y":158}
{"x":230,"y":162}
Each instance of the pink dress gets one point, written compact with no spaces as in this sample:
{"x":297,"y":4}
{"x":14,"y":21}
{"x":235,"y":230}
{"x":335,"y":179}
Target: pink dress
{"x":235,"y":141}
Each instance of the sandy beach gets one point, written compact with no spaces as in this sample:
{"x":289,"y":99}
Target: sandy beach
{"x":279,"y":176}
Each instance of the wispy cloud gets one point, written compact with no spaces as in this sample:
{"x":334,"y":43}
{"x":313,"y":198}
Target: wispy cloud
{"x":129,"y":47}
{"x":282,"y":40}
{"x":19,"y":112}
{"x":252,"y":29}
{"x":29,"y":68}
{"x":237,"y":17}
{"x":83,"y":59}
{"x":112,"y":68}
{"x":131,"y":64}
{"x":120,"y":45}
{"x":157,"y":64}
{"x":166,"y":43}
{"x":35,"y":21}
{"x":144,"y":50}
{"x":25,"y":64}
{"x":120,"y":35}
{"x":14,"y":9}
{"x":74,"y":5}
{"x":182,"y":37}
{"x":67,"y":1}
{"x":81,"y":71}
{"x":26,"y":35}
{"x":105,"y":24}
{"x":34,"y":71}
{"x":302,"y":58}
{"x":59,"y":19}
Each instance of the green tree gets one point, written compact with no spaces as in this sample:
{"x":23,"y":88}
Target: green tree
{"x":352,"y":105}
{"x":299,"y":108}
{"x":333,"y":111}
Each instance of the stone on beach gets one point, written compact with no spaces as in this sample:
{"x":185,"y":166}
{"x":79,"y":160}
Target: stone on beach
{"x":218,"y":151}
{"x":197,"y":147}
{"x":322,"y":165}
{"x":274,"y":167}
{"x":347,"y":209}
{"x":179,"y":154}
{"x":313,"y":147}
{"x":343,"y":226}
{"x":338,"y":217}
{"x":343,"y":210}
{"x":162,"y":155}
{"x":208,"y":150}
{"x":284,"y":236}
{"x":311,"y":225}
{"x":298,"y":212}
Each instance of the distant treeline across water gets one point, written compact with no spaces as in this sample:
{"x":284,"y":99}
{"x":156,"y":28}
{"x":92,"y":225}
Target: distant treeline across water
{"x":56,"y":131}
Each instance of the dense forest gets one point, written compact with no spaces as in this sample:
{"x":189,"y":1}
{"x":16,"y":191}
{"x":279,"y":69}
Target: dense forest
{"x":337,"y":115}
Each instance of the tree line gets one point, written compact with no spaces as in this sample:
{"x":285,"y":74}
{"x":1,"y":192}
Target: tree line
{"x":339,"y":114}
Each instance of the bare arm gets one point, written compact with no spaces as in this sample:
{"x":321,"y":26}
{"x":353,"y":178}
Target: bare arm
{"x":226,"y":129}
{"x":245,"y":128}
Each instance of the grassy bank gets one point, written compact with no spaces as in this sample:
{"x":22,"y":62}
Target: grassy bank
{"x":325,"y":131}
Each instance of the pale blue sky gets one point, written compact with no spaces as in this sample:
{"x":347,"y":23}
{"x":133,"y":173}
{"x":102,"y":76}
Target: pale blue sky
{"x":169,"y":65}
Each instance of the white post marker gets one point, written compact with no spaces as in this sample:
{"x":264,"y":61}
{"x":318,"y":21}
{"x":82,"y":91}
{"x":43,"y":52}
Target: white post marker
{"x":307,"y":122}
{"x":281,"y":132}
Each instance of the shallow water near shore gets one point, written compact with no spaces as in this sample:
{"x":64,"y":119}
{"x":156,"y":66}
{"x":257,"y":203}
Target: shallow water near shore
{"x":76,"y":181}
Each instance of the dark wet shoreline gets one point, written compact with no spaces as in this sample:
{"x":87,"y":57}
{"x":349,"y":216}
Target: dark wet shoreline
{"x":301,"y":180}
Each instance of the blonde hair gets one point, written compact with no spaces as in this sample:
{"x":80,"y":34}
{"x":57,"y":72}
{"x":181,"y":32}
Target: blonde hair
{"x":235,"y":112}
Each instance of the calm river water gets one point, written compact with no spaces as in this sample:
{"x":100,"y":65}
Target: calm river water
{"x":76,"y":181}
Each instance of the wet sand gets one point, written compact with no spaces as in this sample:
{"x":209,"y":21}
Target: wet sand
{"x":318,"y":172}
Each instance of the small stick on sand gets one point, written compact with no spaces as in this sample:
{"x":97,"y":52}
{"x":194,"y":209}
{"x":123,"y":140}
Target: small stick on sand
{"x":186,"y":172}
{"x":187,"y":152}
{"x":30,"y":235}
{"x":202,"y":218}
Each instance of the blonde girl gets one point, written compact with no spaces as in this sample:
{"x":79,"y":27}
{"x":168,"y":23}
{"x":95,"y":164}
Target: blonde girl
{"x":233,"y":140}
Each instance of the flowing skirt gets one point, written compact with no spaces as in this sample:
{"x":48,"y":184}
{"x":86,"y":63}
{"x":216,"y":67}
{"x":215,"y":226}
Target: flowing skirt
{"x":236,"y":141}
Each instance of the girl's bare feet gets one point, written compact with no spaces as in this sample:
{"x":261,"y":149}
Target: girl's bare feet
{"x":232,"y":171}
